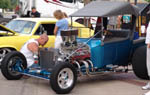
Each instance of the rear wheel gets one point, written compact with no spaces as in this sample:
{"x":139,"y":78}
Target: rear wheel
{"x":12,"y":63}
{"x":139,"y":63}
{"x":63,"y":78}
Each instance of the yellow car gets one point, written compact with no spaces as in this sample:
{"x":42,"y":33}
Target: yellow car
{"x":18,"y":31}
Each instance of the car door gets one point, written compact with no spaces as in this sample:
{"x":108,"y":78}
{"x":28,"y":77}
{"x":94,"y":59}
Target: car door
{"x":123,"y":52}
{"x":117,"y":52}
{"x":109,"y":53}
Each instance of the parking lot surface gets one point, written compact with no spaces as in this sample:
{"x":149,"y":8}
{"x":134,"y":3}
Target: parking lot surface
{"x":108,"y":84}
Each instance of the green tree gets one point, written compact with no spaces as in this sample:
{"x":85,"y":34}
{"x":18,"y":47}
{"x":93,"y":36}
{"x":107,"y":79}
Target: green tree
{"x":5,"y":4}
{"x":13,"y":3}
{"x":147,"y":0}
{"x":8,"y":4}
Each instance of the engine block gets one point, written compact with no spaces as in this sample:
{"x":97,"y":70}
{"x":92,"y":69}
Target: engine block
{"x":71,"y":48}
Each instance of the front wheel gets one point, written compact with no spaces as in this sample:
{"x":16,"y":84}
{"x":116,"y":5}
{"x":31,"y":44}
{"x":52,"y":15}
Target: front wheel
{"x":12,"y":63}
{"x":63,"y":78}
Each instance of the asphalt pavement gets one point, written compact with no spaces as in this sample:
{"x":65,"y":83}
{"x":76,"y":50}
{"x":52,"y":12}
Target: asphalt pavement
{"x":108,"y":84}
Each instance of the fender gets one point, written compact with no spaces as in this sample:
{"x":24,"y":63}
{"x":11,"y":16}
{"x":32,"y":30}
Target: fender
{"x":9,"y":46}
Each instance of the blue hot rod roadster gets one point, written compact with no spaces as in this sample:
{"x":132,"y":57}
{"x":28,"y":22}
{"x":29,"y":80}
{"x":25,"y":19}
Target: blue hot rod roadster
{"x":108,"y":49}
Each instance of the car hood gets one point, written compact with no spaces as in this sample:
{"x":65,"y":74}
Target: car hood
{"x":6,"y":31}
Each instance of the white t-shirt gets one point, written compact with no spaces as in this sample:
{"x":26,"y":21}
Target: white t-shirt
{"x":27,"y":53}
{"x":148,"y":34}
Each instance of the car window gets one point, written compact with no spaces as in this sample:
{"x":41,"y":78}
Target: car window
{"x":48,"y":28}
{"x":21,"y":26}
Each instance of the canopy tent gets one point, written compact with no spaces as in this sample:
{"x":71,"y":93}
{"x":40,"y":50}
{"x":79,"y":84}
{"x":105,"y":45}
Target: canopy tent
{"x":105,"y":9}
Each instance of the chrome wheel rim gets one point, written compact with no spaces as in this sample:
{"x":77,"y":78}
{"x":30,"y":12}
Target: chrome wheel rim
{"x":65,"y":78}
{"x":3,"y":52}
{"x":12,"y":69}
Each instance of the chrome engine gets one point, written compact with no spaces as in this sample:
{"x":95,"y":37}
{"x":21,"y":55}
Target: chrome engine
{"x":70,"y":48}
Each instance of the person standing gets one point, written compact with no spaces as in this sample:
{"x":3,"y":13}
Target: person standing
{"x":61,"y":24}
{"x":147,"y":41}
{"x":35,"y":13}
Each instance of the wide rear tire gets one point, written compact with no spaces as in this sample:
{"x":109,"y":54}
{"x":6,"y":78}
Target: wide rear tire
{"x":139,"y":63}
{"x":10,"y":64}
{"x":63,"y":78}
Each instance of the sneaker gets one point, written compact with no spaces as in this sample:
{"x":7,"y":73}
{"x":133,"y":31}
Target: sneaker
{"x":148,"y":93}
{"x":146,"y":87}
